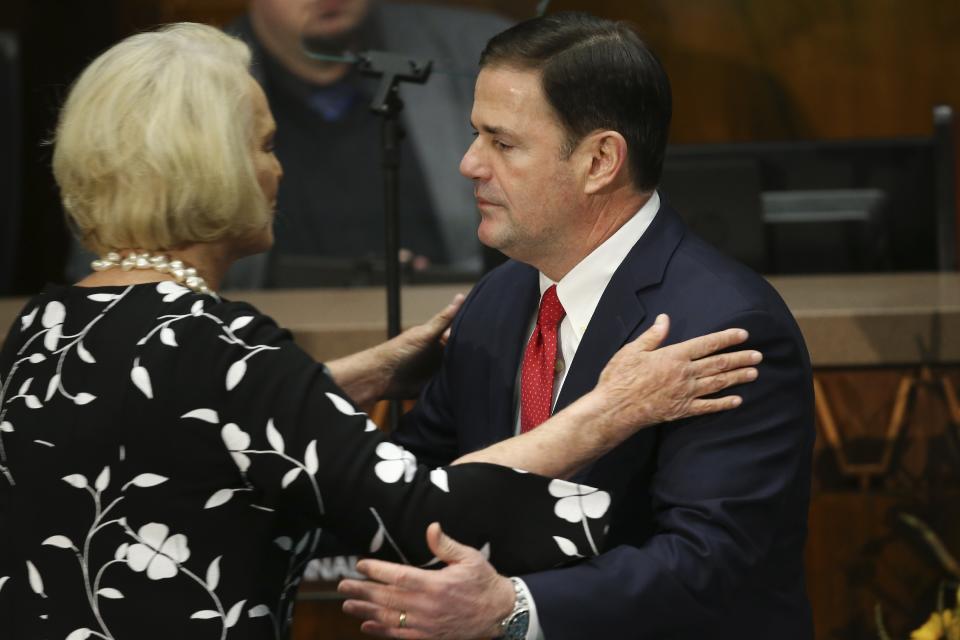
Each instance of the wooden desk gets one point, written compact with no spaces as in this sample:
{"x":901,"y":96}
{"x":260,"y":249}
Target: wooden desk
{"x":862,"y":320}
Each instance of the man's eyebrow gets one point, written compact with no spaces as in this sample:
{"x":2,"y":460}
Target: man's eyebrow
{"x":492,"y":130}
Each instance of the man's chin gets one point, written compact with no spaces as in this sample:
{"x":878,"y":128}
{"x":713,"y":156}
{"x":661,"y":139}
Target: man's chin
{"x":491,"y":237}
{"x":334,"y":35}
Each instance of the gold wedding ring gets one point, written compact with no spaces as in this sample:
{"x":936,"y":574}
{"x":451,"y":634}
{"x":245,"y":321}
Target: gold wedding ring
{"x":403,"y":619}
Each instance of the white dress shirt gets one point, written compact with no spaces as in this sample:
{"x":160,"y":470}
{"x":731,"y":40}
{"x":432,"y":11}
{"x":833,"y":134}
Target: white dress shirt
{"x":579,"y":292}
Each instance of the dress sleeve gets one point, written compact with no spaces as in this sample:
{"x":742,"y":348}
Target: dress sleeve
{"x":299,"y":441}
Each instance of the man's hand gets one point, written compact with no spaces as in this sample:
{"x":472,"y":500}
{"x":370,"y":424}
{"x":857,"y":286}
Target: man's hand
{"x":464,"y":600}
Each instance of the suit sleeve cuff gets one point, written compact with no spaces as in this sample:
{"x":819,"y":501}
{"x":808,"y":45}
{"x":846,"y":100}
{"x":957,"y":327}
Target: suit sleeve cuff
{"x":534,"y":631}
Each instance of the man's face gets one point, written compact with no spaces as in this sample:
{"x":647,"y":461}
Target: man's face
{"x":311,"y":19}
{"x":528,"y":194}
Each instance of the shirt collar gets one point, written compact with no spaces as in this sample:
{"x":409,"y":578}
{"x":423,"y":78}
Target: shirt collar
{"x":579,"y":291}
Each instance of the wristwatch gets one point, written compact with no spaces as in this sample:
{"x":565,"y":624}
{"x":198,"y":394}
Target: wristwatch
{"x":515,"y":625}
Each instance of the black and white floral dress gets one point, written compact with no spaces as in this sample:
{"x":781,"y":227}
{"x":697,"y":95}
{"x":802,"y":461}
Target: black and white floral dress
{"x":168,"y":461}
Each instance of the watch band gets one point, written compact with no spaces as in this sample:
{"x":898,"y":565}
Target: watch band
{"x":515,"y":625}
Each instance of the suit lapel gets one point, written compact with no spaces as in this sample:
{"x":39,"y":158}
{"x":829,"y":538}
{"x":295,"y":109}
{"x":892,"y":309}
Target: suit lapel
{"x":518,"y":300}
{"x":617,"y":315}
{"x":621,"y":311}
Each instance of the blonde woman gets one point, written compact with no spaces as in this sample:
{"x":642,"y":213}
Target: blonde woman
{"x":168,"y":458}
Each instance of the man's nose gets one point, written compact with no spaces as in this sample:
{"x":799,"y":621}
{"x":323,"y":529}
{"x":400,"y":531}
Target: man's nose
{"x":472,"y":166}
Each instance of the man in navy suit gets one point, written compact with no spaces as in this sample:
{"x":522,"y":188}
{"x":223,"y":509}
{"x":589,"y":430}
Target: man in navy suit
{"x":709,"y":514}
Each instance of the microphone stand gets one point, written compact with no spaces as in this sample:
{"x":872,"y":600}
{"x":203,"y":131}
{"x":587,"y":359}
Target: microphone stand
{"x":392,"y":69}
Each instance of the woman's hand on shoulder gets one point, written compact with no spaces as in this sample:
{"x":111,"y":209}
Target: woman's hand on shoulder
{"x":413,"y":357}
{"x":399,"y":367}
{"x":647,"y":384}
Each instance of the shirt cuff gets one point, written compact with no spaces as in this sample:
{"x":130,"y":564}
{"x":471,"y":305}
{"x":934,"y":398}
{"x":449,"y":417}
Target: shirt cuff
{"x":534,"y":631}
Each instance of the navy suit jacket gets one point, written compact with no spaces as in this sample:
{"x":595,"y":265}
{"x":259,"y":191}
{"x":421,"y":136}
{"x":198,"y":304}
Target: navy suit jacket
{"x":708,"y":514}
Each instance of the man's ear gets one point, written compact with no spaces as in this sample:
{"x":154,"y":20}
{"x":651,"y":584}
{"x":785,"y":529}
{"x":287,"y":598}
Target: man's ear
{"x":606,"y":152}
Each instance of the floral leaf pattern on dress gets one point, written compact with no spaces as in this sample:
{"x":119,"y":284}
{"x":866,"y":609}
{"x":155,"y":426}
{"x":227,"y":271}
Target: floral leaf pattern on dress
{"x":84,"y":398}
{"x":27,"y":320}
{"x":207,"y":415}
{"x":213,"y":574}
{"x":235,"y":374}
{"x":347,"y":409}
{"x":378,"y":539}
{"x":141,"y":378}
{"x":145,"y":480}
{"x":236,"y":441}
{"x":205,"y":614}
{"x":52,"y":320}
{"x":289,"y":477}
{"x":162,"y":555}
{"x":274,"y":437}
{"x":310,"y":459}
{"x":54,"y":313}
{"x":381,"y":535}
{"x":36,"y":582}
{"x":168,"y":337}
{"x":222,"y":496}
{"x":579,"y":503}
{"x":568,"y":546}
{"x":171,"y":292}
{"x":240,"y":323}
{"x":50,"y":332}
{"x":159,"y":554}
{"x":439,"y":478}
{"x":103,"y":480}
{"x":62,"y":542}
{"x":282,"y":456}
{"x":234,"y":614}
{"x":258,"y":611}
{"x":52,"y":387}
{"x":85,"y":355}
{"x":396,"y":462}
{"x":76,"y":480}
{"x":155,"y":552}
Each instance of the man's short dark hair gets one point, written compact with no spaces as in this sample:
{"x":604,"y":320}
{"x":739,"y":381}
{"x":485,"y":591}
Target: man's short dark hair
{"x":596,"y":74}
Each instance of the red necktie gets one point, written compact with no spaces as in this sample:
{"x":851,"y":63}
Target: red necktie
{"x":539,"y":362}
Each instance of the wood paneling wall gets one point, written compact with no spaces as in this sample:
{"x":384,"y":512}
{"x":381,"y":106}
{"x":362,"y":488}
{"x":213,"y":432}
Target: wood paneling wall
{"x":762,"y":69}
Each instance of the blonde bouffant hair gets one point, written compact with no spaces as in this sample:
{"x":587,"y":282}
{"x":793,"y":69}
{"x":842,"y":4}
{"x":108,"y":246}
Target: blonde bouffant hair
{"x":153,"y":147}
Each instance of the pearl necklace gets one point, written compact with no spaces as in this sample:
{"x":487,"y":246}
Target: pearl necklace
{"x":187,"y":276}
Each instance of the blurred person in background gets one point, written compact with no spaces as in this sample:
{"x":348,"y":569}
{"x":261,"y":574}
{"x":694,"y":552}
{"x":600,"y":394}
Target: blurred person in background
{"x":330,"y":205}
